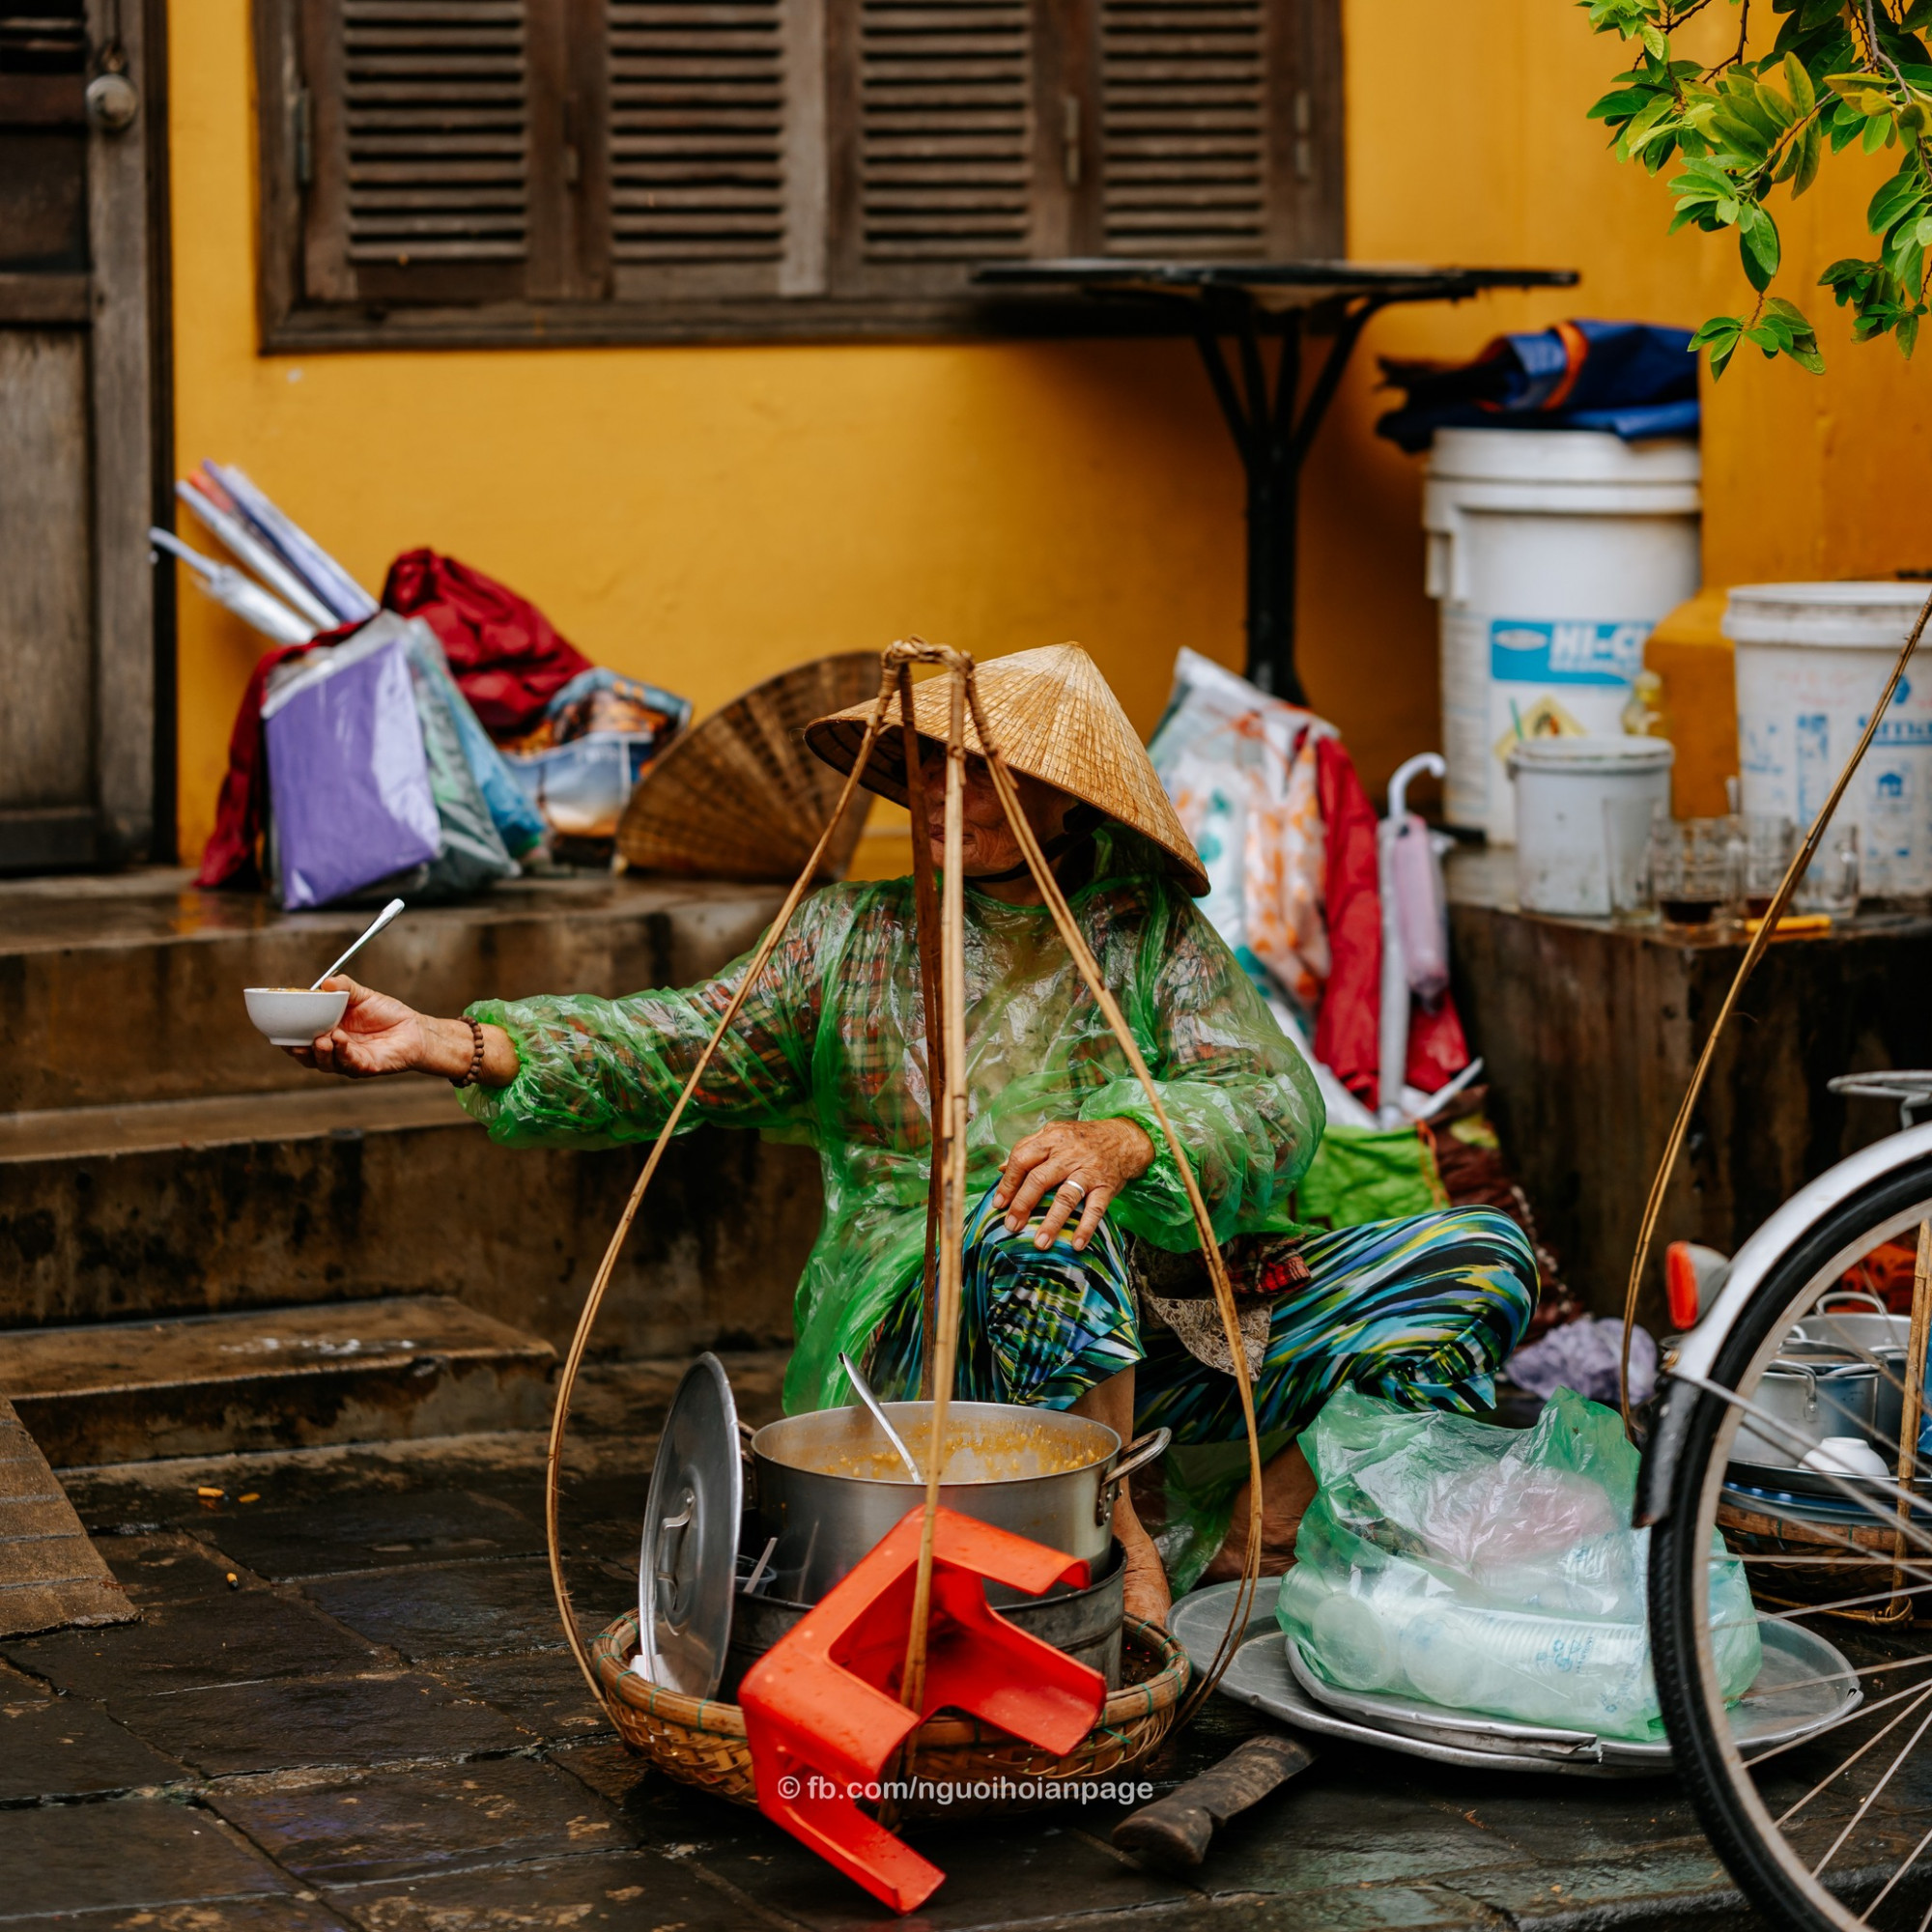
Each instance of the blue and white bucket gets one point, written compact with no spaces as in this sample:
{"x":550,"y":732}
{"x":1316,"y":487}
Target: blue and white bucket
{"x":1811,"y":661}
{"x":1553,"y":552}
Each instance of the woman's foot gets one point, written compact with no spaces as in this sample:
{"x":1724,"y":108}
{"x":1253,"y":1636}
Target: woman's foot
{"x":1148,"y":1596}
{"x":1287,"y":1488}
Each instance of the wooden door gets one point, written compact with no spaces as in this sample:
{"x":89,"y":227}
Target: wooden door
{"x":78,"y":217}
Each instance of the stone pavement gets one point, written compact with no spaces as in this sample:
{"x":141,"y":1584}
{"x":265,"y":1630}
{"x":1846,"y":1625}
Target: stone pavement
{"x":347,"y":1705}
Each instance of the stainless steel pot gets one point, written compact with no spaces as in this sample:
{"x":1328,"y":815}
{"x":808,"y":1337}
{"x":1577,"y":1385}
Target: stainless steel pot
{"x":1858,"y":1333}
{"x":828,"y":1487}
{"x":1086,"y":1624}
{"x":1881,"y":1341}
{"x":1815,"y":1392}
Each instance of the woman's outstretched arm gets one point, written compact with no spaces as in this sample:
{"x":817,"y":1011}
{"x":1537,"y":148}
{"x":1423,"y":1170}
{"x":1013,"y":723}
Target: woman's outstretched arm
{"x":380,"y":1035}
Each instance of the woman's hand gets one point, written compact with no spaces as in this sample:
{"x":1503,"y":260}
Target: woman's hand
{"x":380,"y":1035}
{"x":1085,"y":1163}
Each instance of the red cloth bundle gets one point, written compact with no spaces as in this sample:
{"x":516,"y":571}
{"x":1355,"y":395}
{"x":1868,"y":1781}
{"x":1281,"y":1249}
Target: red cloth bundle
{"x":506,"y":656}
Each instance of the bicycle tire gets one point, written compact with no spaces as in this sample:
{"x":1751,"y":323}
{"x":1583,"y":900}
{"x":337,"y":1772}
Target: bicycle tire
{"x":1711,"y":1772}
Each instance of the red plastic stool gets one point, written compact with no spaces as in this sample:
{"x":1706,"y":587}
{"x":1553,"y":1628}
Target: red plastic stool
{"x":820,"y":1716}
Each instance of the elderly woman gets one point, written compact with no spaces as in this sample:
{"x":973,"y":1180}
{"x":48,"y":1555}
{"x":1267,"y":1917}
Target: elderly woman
{"x":1084,"y":1286}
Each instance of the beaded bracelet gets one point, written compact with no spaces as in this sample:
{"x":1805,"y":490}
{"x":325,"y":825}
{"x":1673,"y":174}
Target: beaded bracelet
{"x":468,"y":1077}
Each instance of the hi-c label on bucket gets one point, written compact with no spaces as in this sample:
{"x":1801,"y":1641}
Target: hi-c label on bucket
{"x":1507,"y":676}
{"x":1565,"y":650}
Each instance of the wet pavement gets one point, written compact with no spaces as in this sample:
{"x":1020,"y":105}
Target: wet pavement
{"x":348,"y":1705}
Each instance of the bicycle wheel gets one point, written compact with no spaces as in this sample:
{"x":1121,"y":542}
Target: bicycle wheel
{"x":1832,"y":1830}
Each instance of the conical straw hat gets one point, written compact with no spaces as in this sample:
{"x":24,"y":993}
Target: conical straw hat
{"x":1054,"y":718}
{"x":738,"y":796}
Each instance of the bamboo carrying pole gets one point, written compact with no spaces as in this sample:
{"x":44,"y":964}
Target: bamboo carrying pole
{"x":1653,"y":1208}
{"x":941,"y":1343}
{"x":927,"y":904}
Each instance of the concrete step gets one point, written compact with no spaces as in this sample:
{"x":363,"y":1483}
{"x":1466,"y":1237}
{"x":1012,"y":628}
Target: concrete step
{"x":129,"y":988}
{"x":385,"y":1370}
{"x":342,"y":1190}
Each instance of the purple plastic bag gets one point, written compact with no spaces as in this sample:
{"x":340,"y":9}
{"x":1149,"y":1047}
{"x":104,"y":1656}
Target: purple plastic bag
{"x":1584,"y":1356}
{"x":347,"y":775}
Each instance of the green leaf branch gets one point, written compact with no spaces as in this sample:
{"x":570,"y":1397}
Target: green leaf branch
{"x":1838,"y":74}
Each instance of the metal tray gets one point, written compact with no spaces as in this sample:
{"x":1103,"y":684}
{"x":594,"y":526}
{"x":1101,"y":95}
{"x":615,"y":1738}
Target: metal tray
{"x":1260,"y":1676}
{"x":1833,"y":1509}
{"x":1793,"y":1480}
{"x":1805,"y":1686}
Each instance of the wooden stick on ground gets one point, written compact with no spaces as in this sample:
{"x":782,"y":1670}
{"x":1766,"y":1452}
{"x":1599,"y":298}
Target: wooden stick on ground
{"x":1174,"y":1833}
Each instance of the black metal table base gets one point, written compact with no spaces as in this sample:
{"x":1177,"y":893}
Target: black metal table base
{"x":1231,"y":307}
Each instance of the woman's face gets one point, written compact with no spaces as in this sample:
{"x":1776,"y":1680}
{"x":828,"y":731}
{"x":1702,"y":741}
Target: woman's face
{"x":988,"y":844}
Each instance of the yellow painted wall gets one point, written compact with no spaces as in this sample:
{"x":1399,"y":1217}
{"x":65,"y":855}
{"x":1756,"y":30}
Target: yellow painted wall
{"x":703,"y":516}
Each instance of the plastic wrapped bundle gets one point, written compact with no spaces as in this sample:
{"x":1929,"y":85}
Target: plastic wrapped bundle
{"x":1490,"y":1569}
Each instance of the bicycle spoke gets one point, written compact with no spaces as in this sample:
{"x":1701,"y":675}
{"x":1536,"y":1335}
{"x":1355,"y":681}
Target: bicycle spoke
{"x":1877,"y":1559}
{"x":1864,"y":1711}
{"x":1864,"y":1916}
{"x":1845,"y":1604}
{"x":1865,"y":1804}
{"x":1836,"y":1677}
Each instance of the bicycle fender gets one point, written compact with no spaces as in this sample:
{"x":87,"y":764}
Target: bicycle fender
{"x":1749,"y":1265}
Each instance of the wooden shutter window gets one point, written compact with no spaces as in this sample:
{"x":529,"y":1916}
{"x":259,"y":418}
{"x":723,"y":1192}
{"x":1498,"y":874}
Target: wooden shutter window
{"x":697,"y":128}
{"x":470,"y":171}
{"x":421,"y":148}
{"x":944,"y":137}
{"x":437,"y":113}
{"x":42,"y":36}
{"x":1183,"y":107}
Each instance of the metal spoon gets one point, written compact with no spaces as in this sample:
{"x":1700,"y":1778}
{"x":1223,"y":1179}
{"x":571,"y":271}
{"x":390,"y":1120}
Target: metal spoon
{"x":863,"y":1389}
{"x":373,"y":926}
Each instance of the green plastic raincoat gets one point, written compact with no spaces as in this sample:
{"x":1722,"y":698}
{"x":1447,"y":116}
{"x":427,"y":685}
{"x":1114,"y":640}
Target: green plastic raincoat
{"x":830,"y":1050}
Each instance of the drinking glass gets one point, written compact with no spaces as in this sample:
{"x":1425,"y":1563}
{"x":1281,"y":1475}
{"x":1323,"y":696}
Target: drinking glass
{"x":1690,"y":869}
{"x":1831,"y":882}
{"x":1762,"y":844}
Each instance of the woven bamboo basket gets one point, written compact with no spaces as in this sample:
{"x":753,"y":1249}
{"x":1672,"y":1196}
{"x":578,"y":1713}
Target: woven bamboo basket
{"x":1836,"y":1573}
{"x":739,"y":796}
{"x":700,"y":1740}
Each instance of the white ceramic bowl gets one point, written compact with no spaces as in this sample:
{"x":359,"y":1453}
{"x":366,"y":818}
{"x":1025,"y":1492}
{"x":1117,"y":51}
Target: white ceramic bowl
{"x":293,"y":1017}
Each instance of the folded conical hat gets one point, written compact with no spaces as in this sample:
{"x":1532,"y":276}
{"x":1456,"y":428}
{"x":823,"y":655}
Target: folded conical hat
{"x":738,"y":796}
{"x":1053,"y":717}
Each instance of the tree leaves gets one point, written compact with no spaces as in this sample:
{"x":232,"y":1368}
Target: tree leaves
{"x":1749,"y":125}
{"x":1757,"y":244}
{"x":1720,"y":335}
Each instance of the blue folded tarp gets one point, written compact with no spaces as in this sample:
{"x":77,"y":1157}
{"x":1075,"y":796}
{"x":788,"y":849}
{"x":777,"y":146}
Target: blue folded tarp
{"x":1633,"y":378}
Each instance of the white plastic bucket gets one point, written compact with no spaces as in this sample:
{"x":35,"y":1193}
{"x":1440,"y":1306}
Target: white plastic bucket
{"x":1553,"y":552}
{"x":1562,"y":852}
{"x":1812,"y":660}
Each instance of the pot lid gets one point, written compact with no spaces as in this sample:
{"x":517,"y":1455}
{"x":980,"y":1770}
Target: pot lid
{"x":687,"y":1568}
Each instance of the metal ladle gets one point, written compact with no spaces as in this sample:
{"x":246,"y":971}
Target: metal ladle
{"x":863,"y":1389}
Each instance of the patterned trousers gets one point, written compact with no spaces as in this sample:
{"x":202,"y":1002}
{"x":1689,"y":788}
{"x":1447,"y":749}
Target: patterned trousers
{"x":1420,"y":1311}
